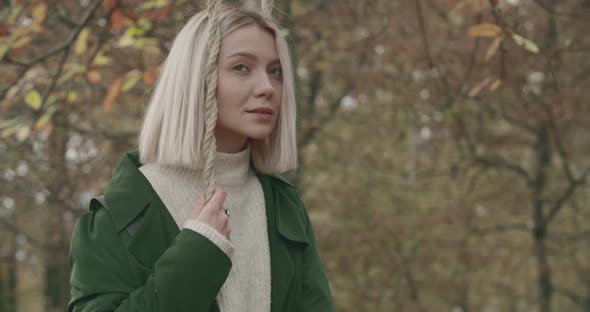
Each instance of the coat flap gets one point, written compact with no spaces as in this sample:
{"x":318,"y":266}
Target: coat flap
{"x":291,"y":223}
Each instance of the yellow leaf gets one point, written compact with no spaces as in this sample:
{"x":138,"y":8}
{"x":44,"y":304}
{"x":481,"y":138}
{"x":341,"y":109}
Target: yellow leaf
{"x":484,"y":30}
{"x":82,"y":41}
{"x":39,"y":11}
{"x":495,"y":85}
{"x":525,"y":43}
{"x":16,"y":10}
{"x":42,"y":122}
{"x":33,"y":99}
{"x":22,"y":42}
{"x":100,"y":59}
{"x":126,"y":40}
{"x":22,"y":133}
{"x":493,"y":48}
{"x":132,"y":78}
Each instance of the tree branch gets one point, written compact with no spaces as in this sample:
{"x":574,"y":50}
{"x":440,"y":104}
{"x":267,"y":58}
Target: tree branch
{"x":550,"y":9}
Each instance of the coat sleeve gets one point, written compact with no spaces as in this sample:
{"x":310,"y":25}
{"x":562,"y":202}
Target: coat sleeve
{"x":187,"y":277}
{"x":316,"y":295}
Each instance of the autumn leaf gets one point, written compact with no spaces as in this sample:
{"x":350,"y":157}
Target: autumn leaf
{"x":4,"y":48}
{"x":154,"y":4}
{"x":109,"y":4}
{"x":118,"y":20}
{"x":493,"y":47}
{"x":13,"y":15}
{"x":72,"y":97}
{"x":33,"y":99}
{"x":22,"y":133}
{"x":131,"y":79}
{"x":525,"y":43}
{"x":82,"y":41}
{"x":112,"y":92}
{"x":22,"y":42}
{"x":39,"y":12}
{"x":150,"y":76}
{"x":485,"y":30}
{"x":478,"y":87}
{"x":495,"y":85}
{"x":44,"y":120}
{"x":94,"y":76}
{"x":100,"y":59}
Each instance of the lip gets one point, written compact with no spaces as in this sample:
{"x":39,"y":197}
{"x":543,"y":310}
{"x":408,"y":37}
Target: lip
{"x":262,"y":110}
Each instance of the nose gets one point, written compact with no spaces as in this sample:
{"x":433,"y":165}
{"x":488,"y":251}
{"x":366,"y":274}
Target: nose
{"x":263,"y":86}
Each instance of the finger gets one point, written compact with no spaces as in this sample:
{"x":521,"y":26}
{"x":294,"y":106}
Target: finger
{"x":199,"y":205}
{"x":216,"y":201}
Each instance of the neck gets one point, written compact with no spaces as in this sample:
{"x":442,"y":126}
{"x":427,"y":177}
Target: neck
{"x":227,"y":143}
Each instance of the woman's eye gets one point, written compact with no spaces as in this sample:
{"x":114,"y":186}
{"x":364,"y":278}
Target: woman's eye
{"x":241,"y":68}
{"x":276,"y":72}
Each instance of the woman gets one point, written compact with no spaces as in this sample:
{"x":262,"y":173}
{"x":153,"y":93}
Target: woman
{"x":154,"y":243}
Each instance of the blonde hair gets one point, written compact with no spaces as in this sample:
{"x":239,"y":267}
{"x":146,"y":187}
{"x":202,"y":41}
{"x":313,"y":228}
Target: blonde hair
{"x":174,"y":125}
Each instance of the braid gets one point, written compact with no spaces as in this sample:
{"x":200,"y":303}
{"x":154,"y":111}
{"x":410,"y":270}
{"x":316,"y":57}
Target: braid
{"x":210,"y":146}
{"x":213,"y":46}
{"x":266,"y":7}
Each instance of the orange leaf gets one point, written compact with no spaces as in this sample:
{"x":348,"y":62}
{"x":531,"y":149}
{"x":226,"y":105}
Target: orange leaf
{"x":109,"y":4}
{"x":478,"y":87}
{"x":112,"y":93}
{"x":94,"y":76}
{"x":159,"y":13}
{"x":150,"y":76}
{"x":484,"y":30}
{"x":118,"y":20}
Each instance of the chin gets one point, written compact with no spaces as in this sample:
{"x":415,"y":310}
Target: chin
{"x":259,"y":135}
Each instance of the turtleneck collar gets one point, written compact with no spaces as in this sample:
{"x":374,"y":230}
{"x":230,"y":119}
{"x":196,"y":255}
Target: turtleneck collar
{"x":231,"y":169}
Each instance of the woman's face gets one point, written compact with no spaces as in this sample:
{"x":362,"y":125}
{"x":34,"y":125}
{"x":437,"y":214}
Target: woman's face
{"x":249,"y":89}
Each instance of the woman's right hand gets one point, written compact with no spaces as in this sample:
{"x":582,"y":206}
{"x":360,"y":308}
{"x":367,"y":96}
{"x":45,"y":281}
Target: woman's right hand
{"x":212,"y":213}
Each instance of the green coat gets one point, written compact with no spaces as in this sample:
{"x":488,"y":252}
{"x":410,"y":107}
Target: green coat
{"x":117,"y":264}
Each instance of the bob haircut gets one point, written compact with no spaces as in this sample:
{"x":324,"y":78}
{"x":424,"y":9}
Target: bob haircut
{"x":174,"y":124}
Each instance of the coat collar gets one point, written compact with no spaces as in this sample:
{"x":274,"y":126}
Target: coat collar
{"x":128,"y":192}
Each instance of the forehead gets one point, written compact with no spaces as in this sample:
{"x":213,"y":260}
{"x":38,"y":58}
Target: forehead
{"x":250,"y":39}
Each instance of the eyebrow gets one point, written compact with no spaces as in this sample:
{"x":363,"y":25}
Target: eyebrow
{"x":250,"y":56}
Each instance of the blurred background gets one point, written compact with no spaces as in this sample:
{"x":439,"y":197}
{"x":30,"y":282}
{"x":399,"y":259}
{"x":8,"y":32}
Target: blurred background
{"x":444,"y":144}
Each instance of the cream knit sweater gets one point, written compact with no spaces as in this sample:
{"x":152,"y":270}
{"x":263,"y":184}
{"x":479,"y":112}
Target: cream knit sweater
{"x":247,"y":288}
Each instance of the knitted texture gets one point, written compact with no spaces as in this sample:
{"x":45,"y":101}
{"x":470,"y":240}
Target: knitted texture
{"x":247,"y":287}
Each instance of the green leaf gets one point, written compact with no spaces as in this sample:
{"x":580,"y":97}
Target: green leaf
{"x":154,"y":4}
{"x":4,"y":48}
{"x":33,"y":99}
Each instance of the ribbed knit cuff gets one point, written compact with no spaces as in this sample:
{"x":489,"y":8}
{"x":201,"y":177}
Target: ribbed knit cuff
{"x":213,"y":235}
